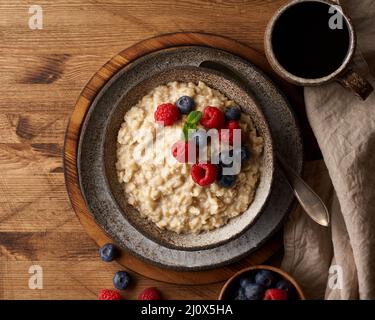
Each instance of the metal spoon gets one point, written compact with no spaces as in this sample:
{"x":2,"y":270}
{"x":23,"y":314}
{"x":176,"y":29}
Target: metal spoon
{"x":308,"y":199}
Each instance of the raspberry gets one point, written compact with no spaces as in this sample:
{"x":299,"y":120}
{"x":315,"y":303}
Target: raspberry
{"x":204,"y":173}
{"x":167,"y":113}
{"x":229,"y":131}
{"x":275,"y":294}
{"x":232,"y":124}
{"x":108,"y":294}
{"x":184,"y":152}
{"x":213,"y":118}
{"x":149,"y":294}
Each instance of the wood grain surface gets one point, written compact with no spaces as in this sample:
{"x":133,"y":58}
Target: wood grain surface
{"x":42,"y":73}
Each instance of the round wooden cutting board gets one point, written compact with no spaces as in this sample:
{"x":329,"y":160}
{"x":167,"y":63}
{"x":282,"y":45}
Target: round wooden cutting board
{"x":85,"y":99}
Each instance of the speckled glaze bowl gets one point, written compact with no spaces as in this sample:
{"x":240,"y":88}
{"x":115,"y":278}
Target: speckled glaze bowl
{"x":234,"y":91}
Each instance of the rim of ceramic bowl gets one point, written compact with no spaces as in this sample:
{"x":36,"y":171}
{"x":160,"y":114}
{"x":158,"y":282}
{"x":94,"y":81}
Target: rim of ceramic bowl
{"x":299,"y":80}
{"x":279,"y":271}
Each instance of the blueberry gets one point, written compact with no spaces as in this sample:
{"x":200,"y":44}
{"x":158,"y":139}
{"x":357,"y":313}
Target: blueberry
{"x":107,"y":252}
{"x":244,"y":282}
{"x":265,"y":278}
{"x":121,"y":280}
{"x":199,"y":138}
{"x":284,"y":285}
{"x":228,"y":160}
{"x":240,"y":294}
{"x":233,"y":113}
{"x":185,"y":104}
{"x":244,"y":154}
{"x":254,"y":291}
{"x":226,"y":181}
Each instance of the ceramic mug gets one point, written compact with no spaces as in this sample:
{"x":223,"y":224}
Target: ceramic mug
{"x":344,"y":74}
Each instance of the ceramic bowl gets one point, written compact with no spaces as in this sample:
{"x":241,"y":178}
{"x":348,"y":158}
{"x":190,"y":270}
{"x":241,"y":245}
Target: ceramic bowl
{"x":228,"y":288}
{"x":234,"y":91}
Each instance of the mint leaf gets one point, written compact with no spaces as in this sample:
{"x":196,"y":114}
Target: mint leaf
{"x":194,"y":117}
{"x":187,"y":129}
{"x":190,"y":124}
{"x":185,"y":132}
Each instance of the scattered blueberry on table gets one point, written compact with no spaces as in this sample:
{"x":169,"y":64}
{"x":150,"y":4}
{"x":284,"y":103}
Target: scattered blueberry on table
{"x":107,"y":252}
{"x":121,"y":280}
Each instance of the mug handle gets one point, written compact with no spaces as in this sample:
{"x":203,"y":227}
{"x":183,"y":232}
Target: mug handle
{"x":352,"y":80}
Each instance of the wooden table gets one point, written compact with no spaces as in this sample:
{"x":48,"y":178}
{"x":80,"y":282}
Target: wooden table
{"x":42,"y":72}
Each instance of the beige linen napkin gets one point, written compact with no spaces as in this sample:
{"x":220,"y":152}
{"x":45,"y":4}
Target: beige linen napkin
{"x":339,"y":262}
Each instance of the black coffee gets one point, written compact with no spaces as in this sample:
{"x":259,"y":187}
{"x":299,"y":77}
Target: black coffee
{"x":305,"y":45}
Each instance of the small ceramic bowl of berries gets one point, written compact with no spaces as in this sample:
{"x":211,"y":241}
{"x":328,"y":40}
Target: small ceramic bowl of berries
{"x":261,"y":283}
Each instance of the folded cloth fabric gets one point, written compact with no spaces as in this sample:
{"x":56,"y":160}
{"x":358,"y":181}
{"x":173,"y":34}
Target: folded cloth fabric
{"x":339,"y":262}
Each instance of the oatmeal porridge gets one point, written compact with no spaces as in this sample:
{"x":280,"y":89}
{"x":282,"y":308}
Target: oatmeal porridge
{"x":164,"y":190}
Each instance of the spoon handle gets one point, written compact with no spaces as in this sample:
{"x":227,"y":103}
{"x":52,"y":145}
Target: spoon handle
{"x":308,"y":199}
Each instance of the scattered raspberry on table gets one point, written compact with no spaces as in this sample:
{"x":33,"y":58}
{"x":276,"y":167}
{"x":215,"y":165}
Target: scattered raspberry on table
{"x":150,"y":294}
{"x":108,"y":294}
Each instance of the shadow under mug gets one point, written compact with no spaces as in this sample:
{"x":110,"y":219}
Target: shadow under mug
{"x":345,"y":74}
